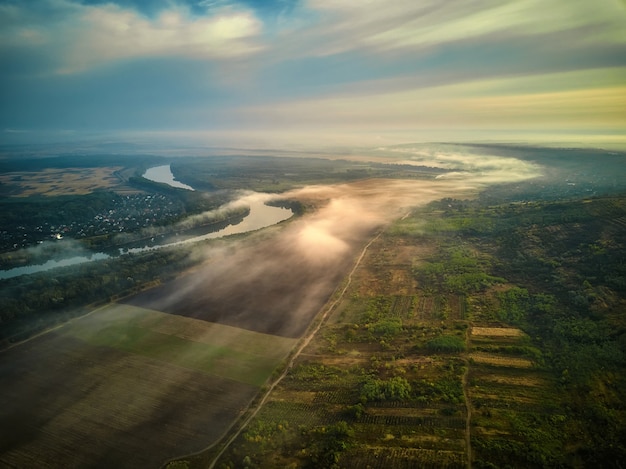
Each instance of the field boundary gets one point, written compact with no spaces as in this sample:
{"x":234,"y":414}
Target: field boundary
{"x":306,"y":340}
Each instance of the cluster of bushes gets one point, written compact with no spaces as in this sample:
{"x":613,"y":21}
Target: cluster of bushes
{"x":392,"y":389}
{"x":456,"y":271}
{"x":567,"y":259}
{"x":446,"y":344}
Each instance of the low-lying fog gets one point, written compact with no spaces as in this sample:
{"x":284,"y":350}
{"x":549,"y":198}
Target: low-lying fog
{"x":278,"y":284}
{"x":274,"y":282}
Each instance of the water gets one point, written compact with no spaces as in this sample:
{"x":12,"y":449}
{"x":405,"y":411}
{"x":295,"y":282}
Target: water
{"x":164,"y":175}
{"x":260,"y":216}
{"x":51,"y":264}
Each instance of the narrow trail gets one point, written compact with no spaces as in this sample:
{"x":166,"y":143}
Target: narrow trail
{"x":304,"y":343}
{"x":468,"y":404}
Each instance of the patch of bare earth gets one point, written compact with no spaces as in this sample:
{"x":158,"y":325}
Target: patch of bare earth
{"x":497,"y":332}
{"x":66,"y":181}
{"x":530,"y":381}
{"x":499,"y":360}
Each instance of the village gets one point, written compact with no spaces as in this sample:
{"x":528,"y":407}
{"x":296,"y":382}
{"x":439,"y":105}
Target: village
{"x":119,"y":214}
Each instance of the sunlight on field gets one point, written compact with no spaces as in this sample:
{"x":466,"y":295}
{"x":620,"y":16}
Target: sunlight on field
{"x":499,"y":360}
{"x":497,"y":331}
{"x":524,"y":380}
{"x":228,"y":352}
{"x":66,"y":181}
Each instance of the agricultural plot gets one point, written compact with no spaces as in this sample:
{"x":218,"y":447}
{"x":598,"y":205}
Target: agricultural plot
{"x":402,"y":306}
{"x":456,"y":307}
{"x":407,"y":458}
{"x":66,"y":181}
{"x":343,"y":379}
{"x":126,"y":387}
{"x":500,"y":360}
{"x":232,"y":353}
{"x":496,"y":332}
{"x":431,"y":372}
{"x":507,"y":391}
{"x":266,"y":288}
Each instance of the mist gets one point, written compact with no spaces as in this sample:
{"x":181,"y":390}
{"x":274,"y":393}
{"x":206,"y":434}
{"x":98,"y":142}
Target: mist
{"x":277,"y":282}
{"x":170,"y":363}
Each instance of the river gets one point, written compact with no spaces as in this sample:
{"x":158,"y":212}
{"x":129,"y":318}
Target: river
{"x":164,"y":174}
{"x":260,"y":216}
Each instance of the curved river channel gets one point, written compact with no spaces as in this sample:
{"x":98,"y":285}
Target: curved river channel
{"x":259,"y":216}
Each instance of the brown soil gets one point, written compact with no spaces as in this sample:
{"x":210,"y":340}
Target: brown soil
{"x":53,"y":182}
{"x":497,"y":331}
{"x":67,"y":404}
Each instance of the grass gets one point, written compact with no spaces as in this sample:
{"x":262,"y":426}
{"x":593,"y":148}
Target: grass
{"x":149,"y":384}
{"x":466,"y":375}
{"x":244,"y":356}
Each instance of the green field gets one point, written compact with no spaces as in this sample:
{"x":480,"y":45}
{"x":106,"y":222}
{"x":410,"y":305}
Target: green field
{"x":128,"y":387}
{"x":472,"y":333}
{"x":466,"y":339}
{"x":229,"y":352}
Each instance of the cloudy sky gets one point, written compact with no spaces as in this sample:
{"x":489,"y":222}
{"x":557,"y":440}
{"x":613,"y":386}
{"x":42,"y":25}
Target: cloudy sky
{"x":314,"y":70}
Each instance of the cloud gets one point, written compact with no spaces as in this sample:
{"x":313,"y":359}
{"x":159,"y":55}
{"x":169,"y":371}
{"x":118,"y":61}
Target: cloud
{"x":559,"y":101}
{"x":80,"y":37}
{"x":382,"y":25}
{"x":316,"y":70}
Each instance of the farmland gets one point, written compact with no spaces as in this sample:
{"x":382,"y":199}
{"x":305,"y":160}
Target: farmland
{"x":124,"y":378}
{"x":474,"y":331}
{"x":53,"y":182}
{"x":170,"y":369}
{"x":443,"y":352}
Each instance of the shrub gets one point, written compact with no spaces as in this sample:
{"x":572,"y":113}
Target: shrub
{"x":446,"y":344}
{"x":393,"y":389}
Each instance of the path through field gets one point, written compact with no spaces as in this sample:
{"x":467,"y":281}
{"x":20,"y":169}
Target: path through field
{"x":302,"y":345}
{"x":468,"y":403}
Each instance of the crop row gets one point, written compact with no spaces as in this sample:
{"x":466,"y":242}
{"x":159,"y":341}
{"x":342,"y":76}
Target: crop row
{"x":401,"y":458}
{"x":457,"y":306}
{"x":426,"y":307}
{"x":448,"y":422}
{"x":341,"y":396}
{"x":414,"y":404}
{"x":401,"y":306}
{"x":618,"y":222}
{"x":297,"y":413}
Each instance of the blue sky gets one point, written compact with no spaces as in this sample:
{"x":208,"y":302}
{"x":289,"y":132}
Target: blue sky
{"x":311,"y":71}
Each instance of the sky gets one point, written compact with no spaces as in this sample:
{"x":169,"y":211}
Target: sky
{"x":313,"y":72}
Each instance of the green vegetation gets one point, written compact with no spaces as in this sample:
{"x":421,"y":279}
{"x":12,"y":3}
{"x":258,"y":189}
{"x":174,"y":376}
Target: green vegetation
{"x":31,"y":303}
{"x":233,"y":353}
{"x":516,"y":317}
{"x":561,"y":262}
{"x":270,"y":174}
{"x":501,"y":336}
{"x":392,"y":389}
{"x":446,"y":344}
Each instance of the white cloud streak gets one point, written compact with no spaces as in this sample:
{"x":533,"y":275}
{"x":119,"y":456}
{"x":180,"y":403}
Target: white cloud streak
{"x":569,"y":100}
{"x":382,"y":25}
{"x":410,"y":66}
{"x":80,"y":37}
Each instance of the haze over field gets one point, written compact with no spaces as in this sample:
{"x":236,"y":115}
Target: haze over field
{"x":268,"y":287}
{"x":254,"y":73}
{"x":508,"y":115}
